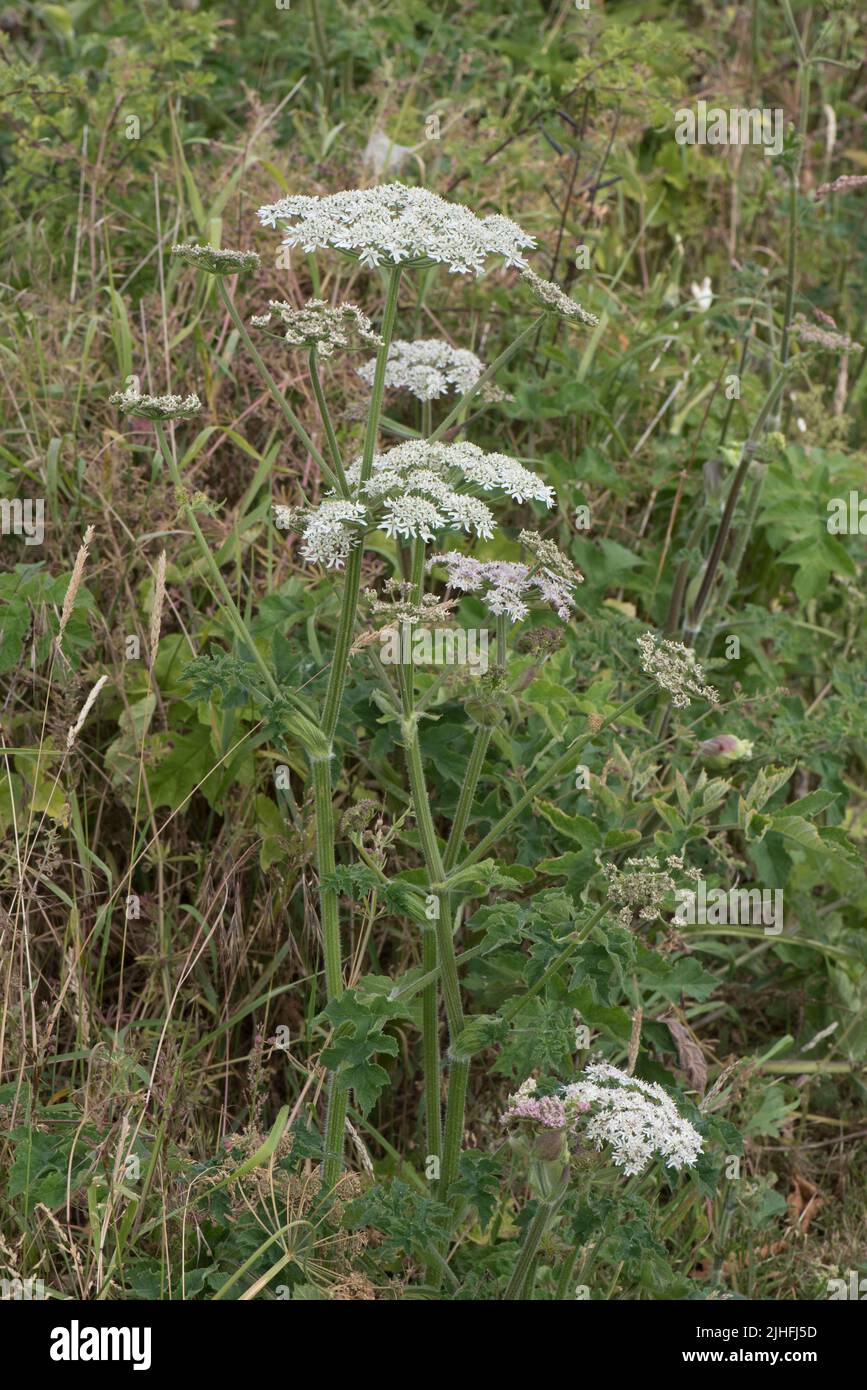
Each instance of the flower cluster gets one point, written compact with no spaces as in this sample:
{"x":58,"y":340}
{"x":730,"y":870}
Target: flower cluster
{"x":506,"y":586}
{"x":725,"y":748}
{"x":393,"y":224}
{"x":643,"y":887}
{"x":319,"y":325}
{"x":131,"y":402}
{"x":419,"y":466}
{"x":555,"y":301}
{"x":216,"y":262}
{"x":329,"y":531}
{"x":828,"y":341}
{"x":399,"y":607}
{"x":547,"y":1111}
{"x":413,"y":493}
{"x":429,"y":368}
{"x":674,"y":668}
{"x":844,"y":184}
{"x":635,"y":1119}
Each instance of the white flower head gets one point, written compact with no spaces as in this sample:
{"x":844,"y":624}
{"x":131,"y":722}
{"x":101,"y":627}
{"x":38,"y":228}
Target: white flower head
{"x":320,"y":325}
{"x":636,"y":1119}
{"x":509,"y":587}
{"x":702,"y":294}
{"x":429,"y":368}
{"x":130,"y":402}
{"x":826,"y":339}
{"x":412,"y":516}
{"x":556,"y":302}
{"x":393,"y":224}
{"x":642,"y":885}
{"x":444,"y":474}
{"x":214,"y":261}
{"x":674,"y":668}
{"x":328,"y":532}
{"x":416,"y":490}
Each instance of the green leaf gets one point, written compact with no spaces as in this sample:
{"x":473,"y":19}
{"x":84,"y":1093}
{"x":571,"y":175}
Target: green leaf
{"x":358,"y":1038}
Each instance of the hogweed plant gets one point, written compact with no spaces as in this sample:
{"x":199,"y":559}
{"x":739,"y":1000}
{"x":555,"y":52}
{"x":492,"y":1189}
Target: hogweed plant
{"x":424,"y":494}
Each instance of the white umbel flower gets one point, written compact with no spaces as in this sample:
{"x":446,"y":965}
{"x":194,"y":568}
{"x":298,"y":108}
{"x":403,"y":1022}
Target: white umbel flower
{"x":414,"y":491}
{"x":429,"y":368}
{"x":674,"y":668}
{"x":411,"y":516}
{"x":556,"y":302}
{"x":509,"y":587}
{"x":323,"y":326}
{"x":636,"y":1119}
{"x":397,"y":225}
{"x":410,"y":464}
{"x":328,"y":532}
{"x":214,"y":260}
{"x":156,"y":407}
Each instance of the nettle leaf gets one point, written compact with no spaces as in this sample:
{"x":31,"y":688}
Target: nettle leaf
{"x":357,"y":881}
{"x":409,"y":1221}
{"x":543,"y":1037}
{"x":358,"y":1038}
{"x":480,"y":1182}
{"x":576,"y":827}
{"x":768,"y":782}
{"x":477,"y":880}
{"x":220,"y":673}
{"x":675,"y":976}
{"x":611,"y":1020}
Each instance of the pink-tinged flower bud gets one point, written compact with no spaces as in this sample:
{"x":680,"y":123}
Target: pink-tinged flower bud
{"x":725,"y":748}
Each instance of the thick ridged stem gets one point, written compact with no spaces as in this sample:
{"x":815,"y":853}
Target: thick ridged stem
{"x":430,"y":1025}
{"x":430,"y":996}
{"x":458,"y":1070}
{"x":456,"y":1100}
{"x":544,"y":1214}
{"x":325,"y":859}
{"x":328,"y":905}
{"x":467,"y":795}
{"x":325,"y":416}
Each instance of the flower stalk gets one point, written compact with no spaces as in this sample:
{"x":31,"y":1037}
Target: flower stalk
{"x":325,"y":831}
